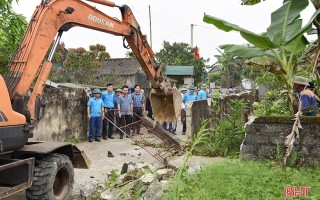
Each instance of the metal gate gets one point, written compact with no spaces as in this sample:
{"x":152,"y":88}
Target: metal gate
{"x":154,"y":139}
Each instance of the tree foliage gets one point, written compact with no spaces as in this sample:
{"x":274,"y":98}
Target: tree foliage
{"x":181,"y":54}
{"x":12,"y":28}
{"x":279,"y":47}
{"x":232,"y":69}
{"x":83,"y":67}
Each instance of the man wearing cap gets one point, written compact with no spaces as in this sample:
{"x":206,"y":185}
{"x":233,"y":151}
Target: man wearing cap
{"x":115,"y":102}
{"x":202,"y":95}
{"x":95,"y":110}
{"x":312,"y":87}
{"x":188,"y":97}
{"x":107,"y":98}
{"x":308,"y":104}
{"x":183,"y":111}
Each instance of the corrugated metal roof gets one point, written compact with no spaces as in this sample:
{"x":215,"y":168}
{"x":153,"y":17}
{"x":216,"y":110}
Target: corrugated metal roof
{"x":121,"y":66}
{"x":179,"y":70}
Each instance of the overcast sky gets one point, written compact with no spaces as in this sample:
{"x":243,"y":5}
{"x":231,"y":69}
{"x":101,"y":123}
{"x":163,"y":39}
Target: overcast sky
{"x":171,"y":20}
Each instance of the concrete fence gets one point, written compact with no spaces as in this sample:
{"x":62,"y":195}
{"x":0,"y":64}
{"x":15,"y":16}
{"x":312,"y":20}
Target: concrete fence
{"x":265,"y":137}
{"x":198,"y":111}
{"x":65,"y":115}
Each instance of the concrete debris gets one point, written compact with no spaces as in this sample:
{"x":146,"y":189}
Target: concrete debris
{"x":101,"y":187}
{"x":147,"y":178}
{"x":110,"y":154}
{"x":107,"y":195}
{"x":124,"y":168}
{"x":131,"y":166}
{"x":154,"y":192}
{"x":141,"y":165}
{"x":86,"y":190}
{"x":194,"y":167}
{"x":164,"y":174}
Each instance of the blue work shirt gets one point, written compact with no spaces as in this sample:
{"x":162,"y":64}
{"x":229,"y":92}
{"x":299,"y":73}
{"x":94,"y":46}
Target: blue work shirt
{"x":107,"y":98}
{"x":115,"y":102}
{"x":125,"y":102}
{"x":202,"y":95}
{"x":138,"y":99}
{"x":309,"y":105}
{"x":187,"y":97}
{"x":95,"y":105}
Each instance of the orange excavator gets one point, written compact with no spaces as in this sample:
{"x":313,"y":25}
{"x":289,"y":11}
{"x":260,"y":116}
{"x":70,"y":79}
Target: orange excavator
{"x":45,"y":169}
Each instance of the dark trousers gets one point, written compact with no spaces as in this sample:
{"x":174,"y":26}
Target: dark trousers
{"x":170,"y":128}
{"x":125,"y":122}
{"x":109,"y":113}
{"x":137,"y":118}
{"x":117,"y":122}
{"x":183,"y":120}
{"x":95,"y":125}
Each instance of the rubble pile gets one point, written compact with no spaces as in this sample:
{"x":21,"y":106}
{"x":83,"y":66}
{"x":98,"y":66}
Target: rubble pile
{"x":138,"y":181}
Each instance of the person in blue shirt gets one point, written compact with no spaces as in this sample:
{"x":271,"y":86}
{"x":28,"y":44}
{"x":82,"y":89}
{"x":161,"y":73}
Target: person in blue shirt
{"x":188,"y":97}
{"x":308,"y":104}
{"x":108,"y":104}
{"x":125,"y":109}
{"x":138,"y":109}
{"x":202,"y":93}
{"x":95,"y":111}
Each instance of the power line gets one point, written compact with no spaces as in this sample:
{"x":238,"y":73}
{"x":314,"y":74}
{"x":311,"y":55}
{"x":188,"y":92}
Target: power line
{"x":206,"y":27}
{"x":170,"y":35}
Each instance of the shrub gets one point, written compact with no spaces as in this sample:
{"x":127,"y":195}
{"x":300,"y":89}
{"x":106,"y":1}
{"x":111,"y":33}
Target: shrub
{"x":274,"y":103}
{"x":225,"y":139}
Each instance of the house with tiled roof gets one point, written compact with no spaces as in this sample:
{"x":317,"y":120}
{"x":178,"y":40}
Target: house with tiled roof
{"x":183,"y":74}
{"x":129,"y":69}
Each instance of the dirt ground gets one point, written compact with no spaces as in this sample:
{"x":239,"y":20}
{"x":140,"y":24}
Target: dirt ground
{"x":124,"y":151}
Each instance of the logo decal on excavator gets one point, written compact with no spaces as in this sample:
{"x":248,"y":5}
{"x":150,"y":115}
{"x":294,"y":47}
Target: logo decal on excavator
{"x":100,"y":20}
{"x":3,"y":117}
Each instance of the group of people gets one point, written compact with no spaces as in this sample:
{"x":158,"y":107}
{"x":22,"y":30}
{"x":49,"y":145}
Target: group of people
{"x":188,"y":95}
{"x":125,"y":109}
{"x":119,"y":107}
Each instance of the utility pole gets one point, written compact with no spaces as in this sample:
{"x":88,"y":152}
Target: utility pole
{"x":150,"y":27}
{"x":191,"y":43}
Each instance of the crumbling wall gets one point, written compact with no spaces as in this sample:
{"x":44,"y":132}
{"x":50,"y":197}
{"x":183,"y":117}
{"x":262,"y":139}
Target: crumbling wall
{"x":197,"y":111}
{"x":200,"y":111}
{"x":265,"y":137}
{"x":65,"y":115}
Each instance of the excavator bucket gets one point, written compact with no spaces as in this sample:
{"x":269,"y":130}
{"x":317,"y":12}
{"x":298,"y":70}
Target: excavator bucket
{"x":166,"y":105}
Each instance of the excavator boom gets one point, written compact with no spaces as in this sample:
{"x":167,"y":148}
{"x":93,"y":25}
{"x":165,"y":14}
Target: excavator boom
{"x":52,"y":18}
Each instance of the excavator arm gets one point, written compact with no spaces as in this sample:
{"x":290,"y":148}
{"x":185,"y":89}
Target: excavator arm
{"x":28,"y":74}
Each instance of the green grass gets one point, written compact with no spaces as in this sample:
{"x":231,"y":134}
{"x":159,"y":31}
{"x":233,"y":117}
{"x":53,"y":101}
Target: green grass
{"x":234,"y":179}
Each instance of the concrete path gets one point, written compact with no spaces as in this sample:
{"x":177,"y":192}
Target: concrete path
{"x":102,"y":164}
{"x":123,"y":150}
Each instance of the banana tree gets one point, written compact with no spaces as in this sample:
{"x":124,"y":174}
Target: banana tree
{"x":316,"y":23}
{"x":278,"y":47}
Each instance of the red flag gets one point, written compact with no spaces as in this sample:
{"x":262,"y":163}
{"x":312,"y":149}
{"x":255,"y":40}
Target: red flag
{"x":196,"y":53}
